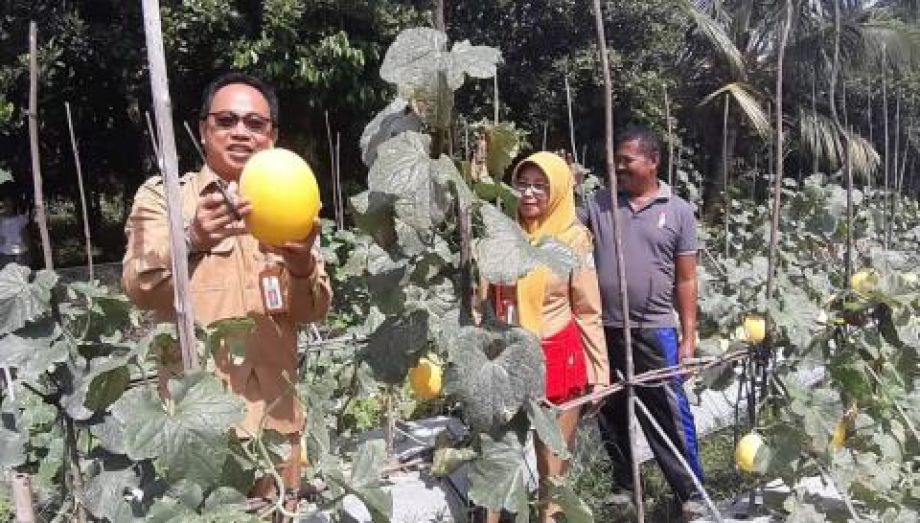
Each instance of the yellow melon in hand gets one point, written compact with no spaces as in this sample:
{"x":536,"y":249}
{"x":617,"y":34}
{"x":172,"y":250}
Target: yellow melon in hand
{"x":425,"y":379}
{"x":284,"y":195}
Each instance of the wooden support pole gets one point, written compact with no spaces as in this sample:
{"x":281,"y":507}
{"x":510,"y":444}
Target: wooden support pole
{"x":340,"y":209}
{"x":568,"y":102}
{"x":22,"y":482}
{"x":495,"y":99}
{"x":169,"y":167}
{"x":332,"y":168}
{"x":621,"y":266}
{"x":40,"y":217}
{"x":79,"y":168}
{"x":667,"y":118}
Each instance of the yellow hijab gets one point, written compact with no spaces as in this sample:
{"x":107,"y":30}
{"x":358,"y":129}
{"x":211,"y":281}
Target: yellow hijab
{"x":557,"y":222}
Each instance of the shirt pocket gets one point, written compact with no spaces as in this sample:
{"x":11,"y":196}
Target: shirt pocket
{"x":213,"y":271}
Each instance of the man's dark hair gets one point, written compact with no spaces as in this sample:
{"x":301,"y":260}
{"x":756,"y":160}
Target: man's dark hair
{"x":239,"y":78}
{"x":649,"y":143}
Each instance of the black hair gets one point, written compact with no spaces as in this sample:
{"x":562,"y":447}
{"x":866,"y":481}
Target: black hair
{"x":239,"y":78}
{"x":649,"y":143}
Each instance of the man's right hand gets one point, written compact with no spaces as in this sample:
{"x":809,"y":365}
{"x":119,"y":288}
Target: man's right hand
{"x":215,"y":221}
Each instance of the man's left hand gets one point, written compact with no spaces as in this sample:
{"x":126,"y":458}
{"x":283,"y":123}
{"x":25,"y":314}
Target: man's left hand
{"x":299,"y":256}
{"x":687,"y":349}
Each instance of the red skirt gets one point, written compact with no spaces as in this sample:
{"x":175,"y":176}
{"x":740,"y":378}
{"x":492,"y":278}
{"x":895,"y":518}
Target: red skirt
{"x":566,"y":370}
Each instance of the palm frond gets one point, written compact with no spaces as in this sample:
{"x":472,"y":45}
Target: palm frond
{"x":716,"y":35}
{"x":864,"y":159}
{"x":890,"y":43}
{"x":821,"y":137}
{"x":744,"y":96}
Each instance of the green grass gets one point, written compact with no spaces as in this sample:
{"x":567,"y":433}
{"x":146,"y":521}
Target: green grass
{"x":6,"y":501}
{"x":591,"y":476}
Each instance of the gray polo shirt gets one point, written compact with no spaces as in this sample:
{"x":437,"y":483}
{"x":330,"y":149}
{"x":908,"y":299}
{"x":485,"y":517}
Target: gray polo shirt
{"x":653,"y":237}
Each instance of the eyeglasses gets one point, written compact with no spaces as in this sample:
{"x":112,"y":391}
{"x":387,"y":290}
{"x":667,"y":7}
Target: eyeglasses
{"x":538,"y":189}
{"x":225,"y":120}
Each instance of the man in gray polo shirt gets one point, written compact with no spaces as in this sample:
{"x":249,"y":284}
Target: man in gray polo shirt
{"x":659,"y":250}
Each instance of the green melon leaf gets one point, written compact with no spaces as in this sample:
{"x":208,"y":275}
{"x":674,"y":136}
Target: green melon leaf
{"x":22,"y":300}
{"x":106,"y":493}
{"x":404,"y":170}
{"x":107,"y":387}
{"x":373,"y":213}
{"x":477,"y":61}
{"x":394,"y":119}
{"x":497,"y":477}
{"x":393,"y":347}
{"x":33,"y":349}
{"x":12,"y":445}
{"x":575,"y":509}
{"x":543,"y":420}
{"x":503,"y":253}
{"x":493,"y":372}
{"x":187,"y":434}
{"x":232,"y":333}
{"x":504,"y":146}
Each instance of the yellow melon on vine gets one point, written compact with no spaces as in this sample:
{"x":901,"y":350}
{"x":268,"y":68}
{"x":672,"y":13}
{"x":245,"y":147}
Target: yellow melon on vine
{"x":426,"y":379}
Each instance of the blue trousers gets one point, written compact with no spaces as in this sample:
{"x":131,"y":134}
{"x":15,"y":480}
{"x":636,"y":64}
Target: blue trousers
{"x":653,"y":348}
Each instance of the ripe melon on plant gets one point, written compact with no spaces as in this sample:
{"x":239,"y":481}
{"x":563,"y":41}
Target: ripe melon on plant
{"x":426,"y":379}
{"x":284,"y":195}
{"x":752,"y":454}
{"x":865,"y":282}
{"x":755,"y":328}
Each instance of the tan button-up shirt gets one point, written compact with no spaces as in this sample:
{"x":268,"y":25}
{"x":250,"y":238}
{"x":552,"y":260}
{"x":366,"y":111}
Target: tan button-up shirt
{"x":224,"y":284}
{"x":578,"y":297}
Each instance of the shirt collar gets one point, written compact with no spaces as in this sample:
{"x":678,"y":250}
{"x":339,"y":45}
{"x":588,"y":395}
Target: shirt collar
{"x":664,"y":192}
{"x":205,"y":178}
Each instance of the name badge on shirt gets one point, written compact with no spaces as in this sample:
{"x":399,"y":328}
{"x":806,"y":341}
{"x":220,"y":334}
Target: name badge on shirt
{"x":272,"y":293}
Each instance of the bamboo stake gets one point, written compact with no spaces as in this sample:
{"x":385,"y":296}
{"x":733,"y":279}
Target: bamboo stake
{"x":890,"y":206}
{"x":191,"y":135}
{"x":72,"y":461}
{"x":335,"y":193}
{"x":340,"y":210}
{"x":495,"y":99}
{"x":76,"y":160}
{"x":22,"y":482}
{"x":869,"y":107}
{"x":169,"y":166}
{"x":568,"y":101}
{"x":835,"y":70}
{"x":814,"y":113}
{"x":726,"y":197}
{"x":40,"y":217}
{"x":683,"y":462}
{"x":667,"y":117}
{"x":22,"y":497}
{"x":885,"y":111}
{"x":621,"y":266}
{"x":778,"y":177}
{"x":154,"y":141}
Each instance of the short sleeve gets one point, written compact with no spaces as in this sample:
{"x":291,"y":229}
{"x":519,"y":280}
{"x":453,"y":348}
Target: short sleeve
{"x":687,"y":242}
{"x":583,"y":216}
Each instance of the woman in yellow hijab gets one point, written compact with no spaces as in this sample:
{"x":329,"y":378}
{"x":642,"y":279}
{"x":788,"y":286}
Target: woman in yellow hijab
{"x":565,"y":312}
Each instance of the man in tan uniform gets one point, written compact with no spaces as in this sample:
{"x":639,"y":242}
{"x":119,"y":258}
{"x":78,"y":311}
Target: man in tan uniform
{"x":239,"y":117}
